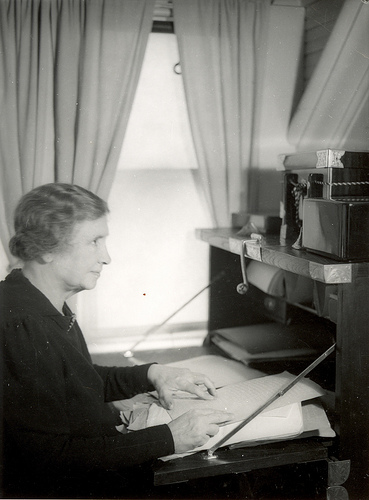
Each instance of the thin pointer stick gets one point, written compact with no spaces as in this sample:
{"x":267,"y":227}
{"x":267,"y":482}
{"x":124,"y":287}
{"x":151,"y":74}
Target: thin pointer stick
{"x":271,"y":400}
{"x":129,"y":353}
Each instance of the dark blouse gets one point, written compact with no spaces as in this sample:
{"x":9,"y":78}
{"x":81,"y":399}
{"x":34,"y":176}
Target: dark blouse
{"x":55,"y":401}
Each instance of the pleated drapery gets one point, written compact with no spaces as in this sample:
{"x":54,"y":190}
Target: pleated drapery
{"x":68,"y":75}
{"x":219,"y":45}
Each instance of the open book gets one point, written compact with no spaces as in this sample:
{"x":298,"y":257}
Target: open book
{"x":281,"y":423}
{"x":243,"y":398}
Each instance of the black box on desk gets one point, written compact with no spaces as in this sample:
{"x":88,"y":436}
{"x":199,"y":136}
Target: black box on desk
{"x":328,"y":174}
{"x":338,"y":229}
{"x":327,"y":183}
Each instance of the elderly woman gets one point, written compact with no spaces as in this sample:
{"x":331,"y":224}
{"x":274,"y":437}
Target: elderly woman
{"x":60,"y":432}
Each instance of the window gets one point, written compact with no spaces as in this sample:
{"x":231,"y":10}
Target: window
{"x":158,"y":133}
{"x":156,"y":205}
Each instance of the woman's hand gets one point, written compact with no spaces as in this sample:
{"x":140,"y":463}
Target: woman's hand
{"x":168,"y":380}
{"x":194,"y":428}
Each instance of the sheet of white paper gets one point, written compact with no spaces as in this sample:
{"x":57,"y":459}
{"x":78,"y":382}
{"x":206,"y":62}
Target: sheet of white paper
{"x":243,"y":398}
{"x":220,"y":370}
{"x":315,"y":419}
{"x":280,"y":423}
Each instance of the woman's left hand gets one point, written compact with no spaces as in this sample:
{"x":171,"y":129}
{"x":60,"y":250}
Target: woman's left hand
{"x":168,"y":380}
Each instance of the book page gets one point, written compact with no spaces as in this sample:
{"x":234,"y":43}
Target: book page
{"x":243,"y":398}
{"x":220,"y":370}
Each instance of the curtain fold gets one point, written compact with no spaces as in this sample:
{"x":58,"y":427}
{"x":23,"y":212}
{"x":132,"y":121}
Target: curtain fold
{"x":68,"y":73}
{"x":219,"y":45}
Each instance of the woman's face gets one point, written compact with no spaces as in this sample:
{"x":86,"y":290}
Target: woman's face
{"x":78,"y":265}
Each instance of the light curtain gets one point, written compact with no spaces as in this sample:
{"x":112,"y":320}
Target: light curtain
{"x":219,"y":45}
{"x":68,"y":74}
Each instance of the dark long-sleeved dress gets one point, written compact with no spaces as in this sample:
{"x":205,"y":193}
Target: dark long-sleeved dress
{"x":58,"y":424}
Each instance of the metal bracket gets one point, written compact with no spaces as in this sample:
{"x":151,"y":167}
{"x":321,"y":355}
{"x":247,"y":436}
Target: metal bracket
{"x":338,"y":471}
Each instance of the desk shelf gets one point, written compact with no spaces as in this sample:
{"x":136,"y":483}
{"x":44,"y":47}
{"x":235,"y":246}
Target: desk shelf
{"x":299,"y":262}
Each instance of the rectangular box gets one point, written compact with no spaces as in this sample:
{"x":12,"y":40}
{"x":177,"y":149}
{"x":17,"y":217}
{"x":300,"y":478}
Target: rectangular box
{"x":325,"y":158}
{"x":337,"y":229}
{"x":259,"y":223}
{"x":342,"y":184}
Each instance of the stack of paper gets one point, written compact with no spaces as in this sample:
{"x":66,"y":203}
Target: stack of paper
{"x":269,"y":341}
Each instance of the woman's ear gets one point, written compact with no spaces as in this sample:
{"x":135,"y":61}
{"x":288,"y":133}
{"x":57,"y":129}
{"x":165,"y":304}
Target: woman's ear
{"x":46,"y":258}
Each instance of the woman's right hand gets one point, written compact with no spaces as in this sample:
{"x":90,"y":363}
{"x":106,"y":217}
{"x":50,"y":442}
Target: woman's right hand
{"x":194,"y":428}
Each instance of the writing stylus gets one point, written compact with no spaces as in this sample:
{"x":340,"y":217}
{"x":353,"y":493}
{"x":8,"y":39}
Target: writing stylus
{"x":271,"y":400}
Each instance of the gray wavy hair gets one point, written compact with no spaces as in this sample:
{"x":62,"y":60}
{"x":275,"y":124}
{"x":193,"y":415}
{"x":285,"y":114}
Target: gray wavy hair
{"x":45,"y":217}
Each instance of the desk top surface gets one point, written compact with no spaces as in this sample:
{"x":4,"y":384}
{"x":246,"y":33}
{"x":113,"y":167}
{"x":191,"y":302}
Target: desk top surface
{"x":270,"y":251}
{"x":233,"y":461}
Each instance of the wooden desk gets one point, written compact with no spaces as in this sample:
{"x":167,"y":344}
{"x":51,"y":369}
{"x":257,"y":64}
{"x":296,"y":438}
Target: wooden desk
{"x":341,"y":298}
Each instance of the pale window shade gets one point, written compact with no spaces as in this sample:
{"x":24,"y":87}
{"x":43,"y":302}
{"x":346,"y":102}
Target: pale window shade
{"x":157,"y":262}
{"x":158,"y":134}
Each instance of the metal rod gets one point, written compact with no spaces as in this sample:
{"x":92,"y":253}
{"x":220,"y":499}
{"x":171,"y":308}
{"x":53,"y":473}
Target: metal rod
{"x":129,"y":353}
{"x":271,"y":400}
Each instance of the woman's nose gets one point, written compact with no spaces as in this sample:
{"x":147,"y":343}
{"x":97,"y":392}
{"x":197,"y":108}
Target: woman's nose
{"x":105,"y":257}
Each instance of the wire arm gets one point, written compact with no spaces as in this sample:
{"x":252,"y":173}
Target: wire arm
{"x":129,"y":353}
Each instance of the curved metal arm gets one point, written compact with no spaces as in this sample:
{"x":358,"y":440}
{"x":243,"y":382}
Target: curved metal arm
{"x":242,"y":288}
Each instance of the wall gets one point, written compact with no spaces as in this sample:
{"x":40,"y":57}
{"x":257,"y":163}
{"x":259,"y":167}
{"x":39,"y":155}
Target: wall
{"x":321,"y":17}
{"x":323,"y":105}
{"x":334,"y":109}
{"x":276,"y":98}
